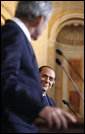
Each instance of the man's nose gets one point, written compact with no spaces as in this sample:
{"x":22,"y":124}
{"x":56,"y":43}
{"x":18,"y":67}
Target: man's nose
{"x":47,"y":79}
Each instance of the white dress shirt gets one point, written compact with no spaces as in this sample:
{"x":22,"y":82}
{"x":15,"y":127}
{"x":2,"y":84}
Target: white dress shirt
{"x":23,"y":27}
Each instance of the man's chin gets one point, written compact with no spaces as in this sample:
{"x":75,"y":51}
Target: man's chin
{"x":34,"y":37}
{"x":45,"y":89}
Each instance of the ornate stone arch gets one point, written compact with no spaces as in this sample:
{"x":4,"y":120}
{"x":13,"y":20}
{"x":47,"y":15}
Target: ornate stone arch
{"x":71,"y":50}
{"x":77,"y":18}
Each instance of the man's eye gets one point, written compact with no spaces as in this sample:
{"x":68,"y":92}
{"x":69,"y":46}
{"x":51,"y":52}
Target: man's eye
{"x":44,"y":76}
{"x":51,"y":79}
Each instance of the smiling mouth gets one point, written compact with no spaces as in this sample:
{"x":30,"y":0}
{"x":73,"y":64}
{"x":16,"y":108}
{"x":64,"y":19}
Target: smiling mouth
{"x":45,"y":85}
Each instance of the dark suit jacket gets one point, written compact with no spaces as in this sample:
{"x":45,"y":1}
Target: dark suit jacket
{"x":20,"y":83}
{"x":48,"y":100}
{"x":51,"y":101}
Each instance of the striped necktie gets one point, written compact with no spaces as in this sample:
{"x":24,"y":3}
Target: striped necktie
{"x":45,"y":99}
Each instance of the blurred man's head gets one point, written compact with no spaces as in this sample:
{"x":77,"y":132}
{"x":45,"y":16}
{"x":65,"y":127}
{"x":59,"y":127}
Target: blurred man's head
{"x":47,"y":76}
{"x":35,"y":15}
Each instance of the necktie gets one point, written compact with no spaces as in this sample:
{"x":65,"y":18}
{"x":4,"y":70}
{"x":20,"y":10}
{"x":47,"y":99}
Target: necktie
{"x":45,"y":99}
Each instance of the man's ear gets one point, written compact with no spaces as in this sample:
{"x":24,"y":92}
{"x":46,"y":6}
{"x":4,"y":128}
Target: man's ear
{"x":53,"y":84}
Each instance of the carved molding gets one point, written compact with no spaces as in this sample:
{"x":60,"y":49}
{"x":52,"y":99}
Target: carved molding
{"x":71,"y":35}
{"x":66,"y":20}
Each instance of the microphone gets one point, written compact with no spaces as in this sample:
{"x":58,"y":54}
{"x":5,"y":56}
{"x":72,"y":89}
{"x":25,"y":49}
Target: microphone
{"x":61,"y":53}
{"x":67,"y":103}
{"x":59,"y":63}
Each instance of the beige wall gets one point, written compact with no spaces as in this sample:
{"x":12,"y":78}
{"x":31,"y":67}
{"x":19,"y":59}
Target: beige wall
{"x":41,"y":47}
{"x":61,"y":8}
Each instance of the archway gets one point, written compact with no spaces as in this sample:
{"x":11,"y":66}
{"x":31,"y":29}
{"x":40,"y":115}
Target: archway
{"x":67,"y":34}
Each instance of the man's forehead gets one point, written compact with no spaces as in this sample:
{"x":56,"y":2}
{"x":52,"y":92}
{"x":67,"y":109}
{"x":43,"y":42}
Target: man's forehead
{"x":48,"y":71}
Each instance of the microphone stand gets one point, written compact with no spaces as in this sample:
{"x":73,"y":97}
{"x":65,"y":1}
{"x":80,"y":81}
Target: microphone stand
{"x":70,"y":108}
{"x":73,"y":83}
{"x":61,"y":53}
{"x":74,"y":68}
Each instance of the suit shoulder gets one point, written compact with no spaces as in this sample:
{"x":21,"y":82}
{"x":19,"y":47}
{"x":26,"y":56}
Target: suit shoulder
{"x":11,"y":30}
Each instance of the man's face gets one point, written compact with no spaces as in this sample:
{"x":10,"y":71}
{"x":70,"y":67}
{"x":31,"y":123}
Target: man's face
{"x":39,"y":29}
{"x":47,"y":77}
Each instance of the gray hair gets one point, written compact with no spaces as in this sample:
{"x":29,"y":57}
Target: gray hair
{"x":31,"y":9}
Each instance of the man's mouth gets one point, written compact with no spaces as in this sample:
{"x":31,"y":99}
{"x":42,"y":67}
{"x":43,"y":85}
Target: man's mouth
{"x":45,"y":84}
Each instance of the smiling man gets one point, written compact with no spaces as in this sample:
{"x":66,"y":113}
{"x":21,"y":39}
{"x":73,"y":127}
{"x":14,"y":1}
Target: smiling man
{"x":47,"y":76}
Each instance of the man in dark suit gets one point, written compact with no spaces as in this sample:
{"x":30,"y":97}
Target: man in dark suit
{"x":21,"y":93}
{"x":47,"y":76}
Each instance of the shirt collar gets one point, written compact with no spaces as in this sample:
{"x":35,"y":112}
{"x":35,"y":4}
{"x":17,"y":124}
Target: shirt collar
{"x":44,"y":94}
{"x":23,"y":27}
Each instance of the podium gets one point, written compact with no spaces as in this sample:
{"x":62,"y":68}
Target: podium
{"x":77,"y":127}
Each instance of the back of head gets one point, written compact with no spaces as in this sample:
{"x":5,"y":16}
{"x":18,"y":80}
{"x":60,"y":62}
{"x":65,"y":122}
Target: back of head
{"x":28,"y":10}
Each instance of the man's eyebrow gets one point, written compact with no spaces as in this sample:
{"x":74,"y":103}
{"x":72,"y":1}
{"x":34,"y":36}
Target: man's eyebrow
{"x":45,"y":74}
{"x":48,"y":76}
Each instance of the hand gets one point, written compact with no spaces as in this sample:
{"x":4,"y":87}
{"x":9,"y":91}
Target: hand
{"x":56,"y":116}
